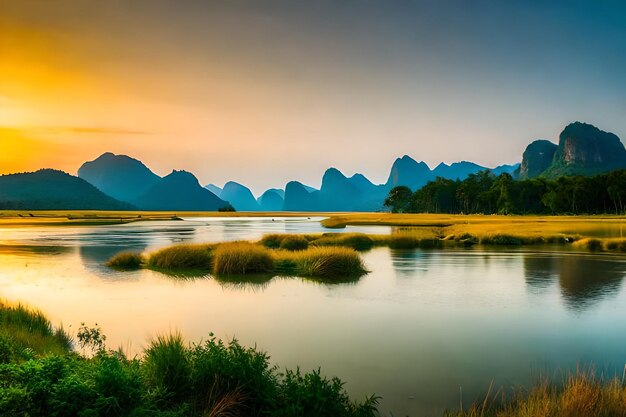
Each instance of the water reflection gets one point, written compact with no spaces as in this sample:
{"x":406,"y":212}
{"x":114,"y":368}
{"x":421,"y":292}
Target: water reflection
{"x":406,"y":262}
{"x":540,"y":271}
{"x":584,"y":280}
{"x":582,"y":283}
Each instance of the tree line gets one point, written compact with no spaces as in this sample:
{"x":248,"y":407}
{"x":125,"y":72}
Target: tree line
{"x":486,"y":193}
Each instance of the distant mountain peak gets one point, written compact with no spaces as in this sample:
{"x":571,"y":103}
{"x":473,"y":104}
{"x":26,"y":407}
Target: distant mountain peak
{"x":118,"y":176}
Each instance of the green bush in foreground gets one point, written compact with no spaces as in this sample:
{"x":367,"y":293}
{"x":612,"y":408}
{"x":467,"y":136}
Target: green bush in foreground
{"x":170,"y":379}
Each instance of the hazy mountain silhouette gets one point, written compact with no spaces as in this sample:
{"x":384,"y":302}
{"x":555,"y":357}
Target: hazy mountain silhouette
{"x":298,"y":198}
{"x":506,"y":169}
{"x":179,"y":191}
{"x":239,"y":196}
{"x":407,"y":171}
{"x":118,"y":176}
{"x":271,"y":200}
{"x":457,"y":170}
{"x":49,"y":189}
{"x":214,"y":189}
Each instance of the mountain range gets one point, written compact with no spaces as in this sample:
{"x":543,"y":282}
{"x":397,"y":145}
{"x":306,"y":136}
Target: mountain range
{"x":121,"y":182}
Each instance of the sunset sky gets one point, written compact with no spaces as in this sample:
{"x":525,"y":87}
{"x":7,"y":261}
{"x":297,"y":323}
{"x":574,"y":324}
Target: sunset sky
{"x":262,"y":92}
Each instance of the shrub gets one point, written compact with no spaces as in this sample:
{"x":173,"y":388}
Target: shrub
{"x":294,"y":243}
{"x":6,"y":349}
{"x":311,"y":394}
{"x":126,"y":261}
{"x":241,"y":258}
{"x":167,"y":367}
{"x":232,"y":376}
{"x":181,"y":257}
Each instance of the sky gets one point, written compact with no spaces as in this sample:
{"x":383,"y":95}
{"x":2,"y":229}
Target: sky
{"x":264,"y":92}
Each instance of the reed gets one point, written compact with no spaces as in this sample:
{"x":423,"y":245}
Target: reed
{"x":240,"y":258}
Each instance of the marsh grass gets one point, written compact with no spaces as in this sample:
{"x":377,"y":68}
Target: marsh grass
{"x":126,"y":261}
{"x":239,"y":258}
{"x":357,"y":241}
{"x":24,"y":331}
{"x":294,"y":243}
{"x":601,"y":245}
{"x":580,"y":394}
{"x":330,"y":263}
{"x":192,"y":257}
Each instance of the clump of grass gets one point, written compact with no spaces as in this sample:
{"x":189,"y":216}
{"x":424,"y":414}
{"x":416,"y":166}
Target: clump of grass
{"x":242,"y":258}
{"x":590,"y":244}
{"x":358,"y":241}
{"x":167,"y":366}
{"x":580,"y":394}
{"x":616,"y":245}
{"x":409,"y":240}
{"x":273,"y":241}
{"x":323,"y":262}
{"x":182,"y":257}
{"x":294,"y":243}
{"x":25,"y":331}
{"x":126,"y":261}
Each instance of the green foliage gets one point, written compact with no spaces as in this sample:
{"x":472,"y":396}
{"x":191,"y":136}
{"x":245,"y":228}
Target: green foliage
{"x":167,"y":368}
{"x":313,"y":395}
{"x":399,"y":199}
{"x":28,"y":332}
{"x":294,"y":242}
{"x":485,"y":193}
{"x":91,"y":338}
{"x":126,"y":261}
{"x":227,"y":209}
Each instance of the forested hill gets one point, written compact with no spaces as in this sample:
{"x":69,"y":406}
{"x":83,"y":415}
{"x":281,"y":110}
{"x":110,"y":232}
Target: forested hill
{"x":49,"y":189}
{"x":489,"y":194}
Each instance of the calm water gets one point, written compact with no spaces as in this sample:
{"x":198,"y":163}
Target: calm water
{"x":422,"y":325}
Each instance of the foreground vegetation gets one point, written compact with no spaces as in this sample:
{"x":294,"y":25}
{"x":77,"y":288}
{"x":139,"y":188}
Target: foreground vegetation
{"x":41,"y":376}
{"x":485,"y":193}
{"x":579,"y":395}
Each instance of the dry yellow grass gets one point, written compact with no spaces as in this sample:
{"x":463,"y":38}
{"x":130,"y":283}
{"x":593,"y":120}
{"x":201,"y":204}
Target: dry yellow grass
{"x":579,"y":395}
